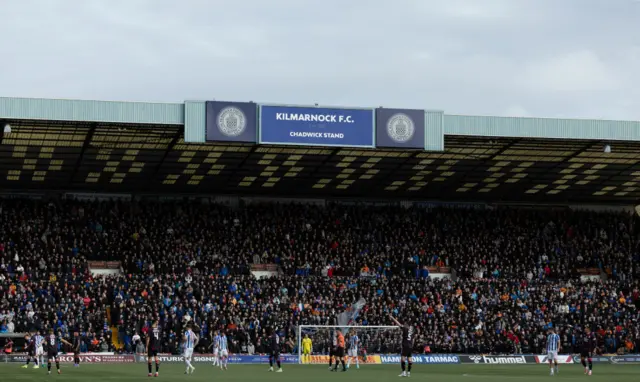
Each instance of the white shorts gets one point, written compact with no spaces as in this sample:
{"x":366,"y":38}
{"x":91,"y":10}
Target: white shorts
{"x":224,"y":353}
{"x":216,"y":352}
{"x":353,"y":352}
{"x":39,"y":351}
{"x":188,"y":353}
{"x":552,"y":356}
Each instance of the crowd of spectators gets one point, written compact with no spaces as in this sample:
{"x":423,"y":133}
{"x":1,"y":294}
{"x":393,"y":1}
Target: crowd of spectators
{"x":516,"y":273}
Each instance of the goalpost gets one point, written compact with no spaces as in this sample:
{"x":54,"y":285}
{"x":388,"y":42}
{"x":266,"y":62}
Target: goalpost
{"x":372,"y":340}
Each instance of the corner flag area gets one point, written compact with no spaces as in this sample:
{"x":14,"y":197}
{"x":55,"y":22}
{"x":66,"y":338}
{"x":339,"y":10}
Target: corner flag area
{"x":320,"y":373}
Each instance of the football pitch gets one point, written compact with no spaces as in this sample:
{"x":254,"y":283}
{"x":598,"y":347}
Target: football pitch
{"x":318,"y":373}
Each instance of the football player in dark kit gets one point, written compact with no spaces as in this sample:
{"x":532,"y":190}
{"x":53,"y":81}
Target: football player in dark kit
{"x":31,"y":351}
{"x":154,"y":340}
{"x":588,"y":348}
{"x":51,"y":342}
{"x":274,"y":347}
{"x":333,"y":346}
{"x":77,"y":341}
{"x":408,"y":334}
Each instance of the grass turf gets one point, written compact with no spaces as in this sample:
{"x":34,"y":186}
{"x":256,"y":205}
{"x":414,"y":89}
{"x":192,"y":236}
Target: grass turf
{"x":317,"y":373}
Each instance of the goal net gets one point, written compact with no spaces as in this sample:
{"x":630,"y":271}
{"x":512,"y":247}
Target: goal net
{"x":371,"y":340}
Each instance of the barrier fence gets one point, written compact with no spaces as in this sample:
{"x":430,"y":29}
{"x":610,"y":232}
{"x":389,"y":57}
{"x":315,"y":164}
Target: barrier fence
{"x":387,"y":359}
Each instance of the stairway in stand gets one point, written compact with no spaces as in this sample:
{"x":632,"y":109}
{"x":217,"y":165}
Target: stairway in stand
{"x":118,"y":343}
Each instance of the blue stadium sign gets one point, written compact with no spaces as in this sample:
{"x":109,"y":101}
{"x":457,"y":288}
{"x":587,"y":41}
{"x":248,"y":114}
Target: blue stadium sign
{"x":314,"y":126}
{"x":231,"y":121}
{"x":400,"y":128}
{"x":422,"y":359}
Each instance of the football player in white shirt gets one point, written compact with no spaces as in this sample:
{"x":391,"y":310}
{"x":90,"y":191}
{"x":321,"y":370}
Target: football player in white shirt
{"x":189,"y":341}
{"x":354,"y":341}
{"x":216,"y":348}
{"x":224,"y":352}
{"x":39,"y":339}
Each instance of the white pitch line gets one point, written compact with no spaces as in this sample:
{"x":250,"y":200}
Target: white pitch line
{"x":497,"y":375}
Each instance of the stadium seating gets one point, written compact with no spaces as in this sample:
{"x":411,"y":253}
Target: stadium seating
{"x":516,"y":271}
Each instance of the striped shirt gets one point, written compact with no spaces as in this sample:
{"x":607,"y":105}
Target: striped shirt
{"x":553,"y":342}
{"x":353,"y":342}
{"x":216,"y":342}
{"x":39,"y":340}
{"x":189,"y":339}
{"x":223,"y":342}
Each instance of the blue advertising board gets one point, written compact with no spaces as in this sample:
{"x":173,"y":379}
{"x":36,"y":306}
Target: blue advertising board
{"x":400,"y":128}
{"x":422,"y":359}
{"x":626,"y":358}
{"x":316,"y":126}
{"x":242,"y":358}
{"x":197,"y":358}
{"x":231,"y":121}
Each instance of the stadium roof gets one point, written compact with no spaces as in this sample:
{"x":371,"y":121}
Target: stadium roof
{"x":153,"y":158}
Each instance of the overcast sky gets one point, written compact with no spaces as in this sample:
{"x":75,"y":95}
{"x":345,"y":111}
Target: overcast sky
{"x":551,"y":58}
